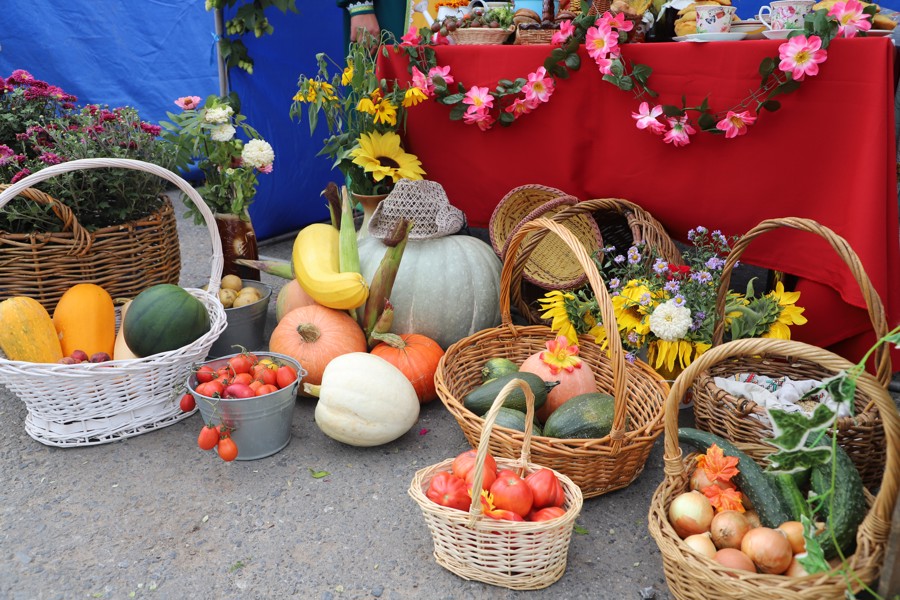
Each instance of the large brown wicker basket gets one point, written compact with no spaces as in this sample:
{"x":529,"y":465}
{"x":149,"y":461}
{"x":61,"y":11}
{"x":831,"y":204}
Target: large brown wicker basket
{"x":122,"y":259}
{"x":691,"y":576}
{"x":740,"y":420}
{"x":597,"y":466}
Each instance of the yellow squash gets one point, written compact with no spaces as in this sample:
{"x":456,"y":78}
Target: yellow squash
{"x":27,"y":332}
{"x":316,"y":263}
{"x":85,"y":319}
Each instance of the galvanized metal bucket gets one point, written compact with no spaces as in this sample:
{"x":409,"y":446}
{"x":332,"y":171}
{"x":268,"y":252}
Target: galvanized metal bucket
{"x":246,"y":324}
{"x":260,"y":426}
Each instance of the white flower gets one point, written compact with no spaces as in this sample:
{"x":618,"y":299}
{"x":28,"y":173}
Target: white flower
{"x":258,"y":153}
{"x":222,"y":133}
{"x":670,"y":322}
{"x":218,"y":114}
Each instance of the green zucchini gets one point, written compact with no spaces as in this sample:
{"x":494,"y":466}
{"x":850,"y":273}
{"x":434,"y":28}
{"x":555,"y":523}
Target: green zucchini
{"x":480,"y":399}
{"x":495,"y":367}
{"x":752,"y":480}
{"x":846,"y":510}
{"x":515,"y":419}
{"x":787,"y":487}
{"x":585,"y":416}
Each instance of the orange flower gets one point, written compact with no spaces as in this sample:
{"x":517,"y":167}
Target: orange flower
{"x":716,"y":465}
{"x":724,"y":498}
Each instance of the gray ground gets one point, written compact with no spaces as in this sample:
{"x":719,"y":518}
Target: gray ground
{"x":156,"y":517}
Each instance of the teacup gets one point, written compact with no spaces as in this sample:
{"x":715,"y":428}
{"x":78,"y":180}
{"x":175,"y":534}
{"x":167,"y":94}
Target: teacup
{"x":785,"y":14}
{"x":713,"y":18}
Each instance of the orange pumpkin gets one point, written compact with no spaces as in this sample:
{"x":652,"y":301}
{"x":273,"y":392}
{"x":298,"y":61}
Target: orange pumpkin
{"x":291,"y":296}
{"x":560,"y":362}
{"x":315,"y":334}
{"x":416,"y":356}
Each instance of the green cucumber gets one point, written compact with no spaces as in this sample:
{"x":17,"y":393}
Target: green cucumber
{"x":480,"y":399}
{"x":846,"y":510}
{"x":790,"y":492}
{"x":515,"y":419}
{"x":495,"y":367}
{"x":752,"y":480}
{"x":585,"y":416}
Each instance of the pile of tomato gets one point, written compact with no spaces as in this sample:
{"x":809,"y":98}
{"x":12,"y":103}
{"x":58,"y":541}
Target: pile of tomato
{"x":539,"y":496}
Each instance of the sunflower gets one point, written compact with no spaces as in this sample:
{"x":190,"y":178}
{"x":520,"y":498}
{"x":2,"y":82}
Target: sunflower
{"x":381,"y":155}
{"x":790,"y":313}
{"x":670,"y":358}
{"x":554,"y":306}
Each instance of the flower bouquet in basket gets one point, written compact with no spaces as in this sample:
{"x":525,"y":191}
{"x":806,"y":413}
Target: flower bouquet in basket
{"x":667,"y":312}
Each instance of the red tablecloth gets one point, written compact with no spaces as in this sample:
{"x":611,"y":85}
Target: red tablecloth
{"x":828,"y":154}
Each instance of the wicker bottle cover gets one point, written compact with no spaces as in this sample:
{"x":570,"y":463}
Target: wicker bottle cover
{"x":238,"y":241}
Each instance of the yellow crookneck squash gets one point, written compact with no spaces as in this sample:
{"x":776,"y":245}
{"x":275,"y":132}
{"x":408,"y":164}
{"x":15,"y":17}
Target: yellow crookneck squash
{"x":27,"y":332}
{"x":85,"y":319}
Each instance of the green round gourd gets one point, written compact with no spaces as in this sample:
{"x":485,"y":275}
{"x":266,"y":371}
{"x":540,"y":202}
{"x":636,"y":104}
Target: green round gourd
{"x":515,"y":419}
{"x":164,"y":317}
{"x":585,"y":416}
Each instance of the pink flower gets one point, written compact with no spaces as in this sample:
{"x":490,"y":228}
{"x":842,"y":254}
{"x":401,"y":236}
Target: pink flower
{"x":850,"y":17}
{"x":566,"y":30}
{"x":482,"y":118}
{"x":266,"y":168}
{"x":153,"y":130}
{"x":617,"y":21}
{"x":735,"y":124}
{"x":49,"y":158}
{"x":647,"y":118}
{"x":601,"y":42}
{"x":20,"y":76}
{"x":443,"y":73}
{"x":422,"y":82}
{"x":801,"y":56}
{"x":411,"y":38}
{"x":521,"y":106}
{"x":539,"y":86}
{"x":188,"y":102}
{"x":680,"y":130}
{"x":440,"y":40}
{"x":20,"y":175}
{"x":479,"y":99}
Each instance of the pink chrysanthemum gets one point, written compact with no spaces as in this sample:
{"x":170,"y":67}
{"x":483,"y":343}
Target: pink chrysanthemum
{"x":735,"y":124}
{"x":800,"y":56}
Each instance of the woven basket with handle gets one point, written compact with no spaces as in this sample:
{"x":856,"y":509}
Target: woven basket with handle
{"x":691,"y":576}
{"x":122,"y":259}
{"x":96,"y":403}
{"x":741,"y":420}
{"x":597,"y":466}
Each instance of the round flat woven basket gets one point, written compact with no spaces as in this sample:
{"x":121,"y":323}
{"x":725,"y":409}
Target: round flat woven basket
{"x":512,"y":554}
{"x":122,"y":259}
{"x":96,"y":403}
{"x":691,"y":576}
{"x":739,"y":420}
{"x":597,"y":466}
{"x":549,"y":265}
{"x":480,"y":36}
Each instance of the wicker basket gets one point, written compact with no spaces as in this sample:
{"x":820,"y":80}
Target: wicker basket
{"x":97,"y":403}
{"x":621,"y":224}
{"x":739,"y":420}
{"x":122,"y":259}
{"x":597,"y":466}
{"x":549,"y":265}
{"x":528,"y":37}
{"x":480,"y":36}
{"x":512,"y":554}
{"x":691,"y":576}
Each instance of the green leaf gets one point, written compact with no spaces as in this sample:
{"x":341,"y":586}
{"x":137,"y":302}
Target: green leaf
{"x":559,"y":71}
{"x":814,"y":561}
{"x":790,"y":461}
{"x":579,"y":529}
{"x":457,"y":112}
{"x":318,"y":474}
{"x":505,"y":83}
{"x":557,"y":55}
{"x":766,"y":67}
{"x":771,"y":105}
{"x":788,"y":86}
{"x":842,"y":388}
{"x":707,"y":122}
{"x":792,"y":429}
{"x":641,"y":73}
{"x":672,"y":111}
{"x":452,"y":99}
{"x":507,"y":118}
{"x":573,"y":61}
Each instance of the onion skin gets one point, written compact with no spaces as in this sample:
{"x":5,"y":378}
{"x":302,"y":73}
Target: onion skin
{"x":734,"y":559}
{"x":793,"y":531}
{"x":753,"y":517}
{"x":769,"y":550}
{"x":690,"y":513}
{"x":728,"y":528}
{"x":702,"y":544}
{"x":795,"y":569}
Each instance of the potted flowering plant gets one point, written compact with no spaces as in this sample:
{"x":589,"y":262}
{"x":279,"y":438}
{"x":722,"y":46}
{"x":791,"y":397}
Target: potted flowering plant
{"x":668,"y":311}
{"x":207,"y":135}
{"x":363,"y":114}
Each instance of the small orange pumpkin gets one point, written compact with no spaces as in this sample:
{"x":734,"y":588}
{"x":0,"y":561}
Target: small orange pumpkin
{"x":315,"y":334}
{"x":416,"y":356}
{"x":560,"y":362}
{"x":291,"y":296}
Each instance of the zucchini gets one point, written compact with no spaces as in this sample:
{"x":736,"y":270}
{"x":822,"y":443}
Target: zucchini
{"x":585,"y":416}
{"x":848,"y":504}
{"x":515,"y":419}
{"x":495,"y":367}
{"x":787,"y":487}
{"x":752,"y":480}
{"x":480,"y":399}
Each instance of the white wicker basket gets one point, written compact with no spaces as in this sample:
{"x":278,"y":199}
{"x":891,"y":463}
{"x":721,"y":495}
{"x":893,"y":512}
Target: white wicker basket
{"x":96,"y":403}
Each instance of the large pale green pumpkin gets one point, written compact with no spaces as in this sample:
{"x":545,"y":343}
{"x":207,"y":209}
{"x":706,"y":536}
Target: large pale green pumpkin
{"x":447,"y":288}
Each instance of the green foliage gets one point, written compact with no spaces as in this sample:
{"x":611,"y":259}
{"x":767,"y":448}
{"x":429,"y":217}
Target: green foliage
{"x":250,"y":17}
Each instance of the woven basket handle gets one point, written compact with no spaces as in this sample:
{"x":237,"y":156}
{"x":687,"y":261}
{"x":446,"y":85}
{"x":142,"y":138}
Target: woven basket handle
{"x":617,"y":355}
{"x":485,"y":440}
{"x":878,"y":520}
{"x":840,"y":245}
{"x":215,"y":277}
{"x":82,"y":240}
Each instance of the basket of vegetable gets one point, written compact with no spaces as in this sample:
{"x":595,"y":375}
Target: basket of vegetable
{"x":597,"y":459}
{"x":478,"y":27}
{"x":100,"y":402}
{"x":741,"y":420}
{"x":817,"y":545}
{"x":516,"y":532}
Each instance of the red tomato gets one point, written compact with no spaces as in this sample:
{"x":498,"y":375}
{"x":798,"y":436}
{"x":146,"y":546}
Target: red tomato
{"x":487,"y":479}
{"x":245,"y":378}
{"x":264,"y":374}
{"x":242,"y":363}
{"x":223,"y":379}
{"x":510,"y":492}
{"x":465,"y":462}
{"x":255,"y":384}
{"x":238,"y":390}
{"x":187,"y":403}
{"x":448,"y":490}
{"x":228,"y":450}
{"x":208,"y":438}
{"x":545,"y":514}
{"x":285,"y":376}
{"x":211,"y":389}
{"x":205,"y":373}
{"x":546,"y":488}
{"x":266,"y":388}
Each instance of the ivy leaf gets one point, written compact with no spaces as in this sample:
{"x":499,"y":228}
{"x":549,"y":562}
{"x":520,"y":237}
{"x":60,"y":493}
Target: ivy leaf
{"x":792,"y":429}
{"x":318,"y":474}
{"x":791,"y":461}
{"x":893,"y":338}
{"x":573,"y":61}
{"x":814,"y":561}
{"x":842,"y":388}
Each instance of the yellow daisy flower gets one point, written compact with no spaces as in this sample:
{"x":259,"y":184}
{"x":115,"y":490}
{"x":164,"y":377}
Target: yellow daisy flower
{"x":386,"y":113}
{"x":347,"y":75}
{"x":366,"y":106}
{"x":413,"y":96}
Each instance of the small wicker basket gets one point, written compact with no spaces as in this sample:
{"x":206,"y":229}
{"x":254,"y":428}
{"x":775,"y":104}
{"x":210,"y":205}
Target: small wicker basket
{"x":529,"y":37}
{"x":512,"y":554}
{"x":96,"y":403}
{"x":691,"y":576}
{"x":597,"y":466}
{"x":739,"y":420}
{"x":480,"y":36}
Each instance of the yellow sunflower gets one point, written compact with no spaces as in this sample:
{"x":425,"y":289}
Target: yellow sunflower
{"x":347,"y":75}
{"x":790,"y":314}
{"x":671,"y":358}
{"x":554,"y":306}
{"x":631,"y":315}
{"x":381,"y":155}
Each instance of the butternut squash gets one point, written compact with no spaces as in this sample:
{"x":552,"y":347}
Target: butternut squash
{"x":121,"y":351}
{"x":85,"y":319}
{"x":27,"y":332}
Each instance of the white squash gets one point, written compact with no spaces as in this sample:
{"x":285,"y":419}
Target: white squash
{"x":365,"y":401}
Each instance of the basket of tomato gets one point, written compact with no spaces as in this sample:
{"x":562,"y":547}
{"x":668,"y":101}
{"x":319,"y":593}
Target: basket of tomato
{"x":515,"y":531}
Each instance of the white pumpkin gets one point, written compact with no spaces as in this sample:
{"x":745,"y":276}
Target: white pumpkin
{"x":446,"y":288}
{"x":365,"y":401}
